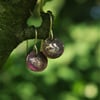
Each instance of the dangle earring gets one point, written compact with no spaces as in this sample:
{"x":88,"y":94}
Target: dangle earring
{"x":36,"y":60}
{"x":52,"y":47}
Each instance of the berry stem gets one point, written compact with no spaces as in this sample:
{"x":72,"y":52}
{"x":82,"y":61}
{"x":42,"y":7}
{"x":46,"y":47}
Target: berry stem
{"x":51,"y":26}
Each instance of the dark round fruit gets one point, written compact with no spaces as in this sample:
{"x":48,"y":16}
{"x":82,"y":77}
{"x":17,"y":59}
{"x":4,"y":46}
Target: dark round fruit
{"x":36,"y":62}
{"x":52,"y":48}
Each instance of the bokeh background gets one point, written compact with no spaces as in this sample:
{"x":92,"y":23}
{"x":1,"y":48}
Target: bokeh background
{"x":73,"y":76}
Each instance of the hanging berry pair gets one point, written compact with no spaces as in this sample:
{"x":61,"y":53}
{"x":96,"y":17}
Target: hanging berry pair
{"x":51,"y":48}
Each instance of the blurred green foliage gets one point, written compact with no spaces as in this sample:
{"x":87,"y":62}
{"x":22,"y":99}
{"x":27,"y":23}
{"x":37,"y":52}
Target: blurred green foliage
{"x":73,"y":76}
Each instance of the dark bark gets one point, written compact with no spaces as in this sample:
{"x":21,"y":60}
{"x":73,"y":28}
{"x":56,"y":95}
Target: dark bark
{"x":13,"y":27}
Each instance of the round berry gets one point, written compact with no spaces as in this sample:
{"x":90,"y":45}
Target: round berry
{"x":52,"y":48}
{"x":36,"y":61}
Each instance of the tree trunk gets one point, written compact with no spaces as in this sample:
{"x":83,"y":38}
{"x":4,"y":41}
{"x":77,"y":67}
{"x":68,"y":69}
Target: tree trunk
{"x":13,"y":27}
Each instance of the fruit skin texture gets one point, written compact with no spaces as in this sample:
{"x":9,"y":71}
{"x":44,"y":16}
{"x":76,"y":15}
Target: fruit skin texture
{"x":52,"y":48}
{"x":36,"y":62}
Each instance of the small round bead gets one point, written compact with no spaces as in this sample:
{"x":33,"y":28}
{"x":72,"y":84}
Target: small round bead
{"x":36,"y":62}
{"x":52,"y":48}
